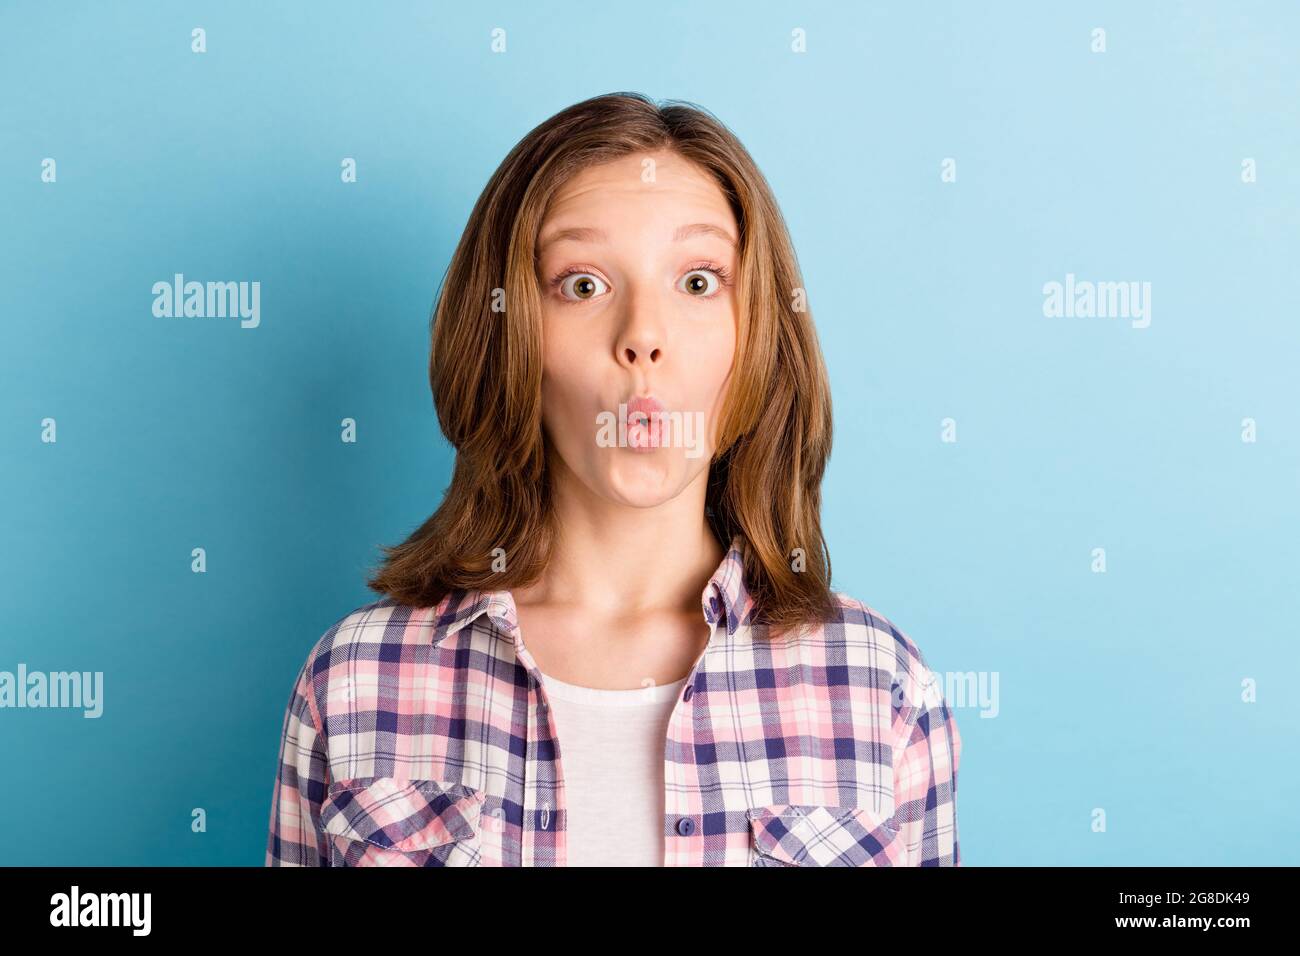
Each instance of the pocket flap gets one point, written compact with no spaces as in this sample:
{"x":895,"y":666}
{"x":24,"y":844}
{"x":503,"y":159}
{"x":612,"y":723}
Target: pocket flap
{"x":817,"y":835}
{"x":401,"y":814}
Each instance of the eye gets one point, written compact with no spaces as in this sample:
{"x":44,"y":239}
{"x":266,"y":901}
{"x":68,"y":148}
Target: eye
{"x":581,"y":285}
{"x":703,"y":283}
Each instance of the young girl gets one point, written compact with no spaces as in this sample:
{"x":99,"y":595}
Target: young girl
{"x":615,"y":642}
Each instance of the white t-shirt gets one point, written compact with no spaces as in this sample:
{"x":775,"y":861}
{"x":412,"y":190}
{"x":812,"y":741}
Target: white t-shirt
{"x":611,"y":745}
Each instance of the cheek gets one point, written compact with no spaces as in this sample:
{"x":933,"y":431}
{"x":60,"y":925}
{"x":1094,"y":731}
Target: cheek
{"x":713,"y":355}
{"x":566,"y":389}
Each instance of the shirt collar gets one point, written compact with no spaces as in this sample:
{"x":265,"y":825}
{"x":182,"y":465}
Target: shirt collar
{"x":725,"y":597}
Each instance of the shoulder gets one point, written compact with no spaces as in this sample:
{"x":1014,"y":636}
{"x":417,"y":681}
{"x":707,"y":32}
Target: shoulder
{"x":366,"y":642}
{"x":915,"y":685}
{"x":377,"y":623}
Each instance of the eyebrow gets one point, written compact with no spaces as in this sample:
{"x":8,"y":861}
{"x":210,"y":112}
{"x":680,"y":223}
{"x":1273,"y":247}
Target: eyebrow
{"x":588,"y":234}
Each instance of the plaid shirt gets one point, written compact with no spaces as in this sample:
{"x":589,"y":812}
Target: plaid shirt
{"x":422,"y":737}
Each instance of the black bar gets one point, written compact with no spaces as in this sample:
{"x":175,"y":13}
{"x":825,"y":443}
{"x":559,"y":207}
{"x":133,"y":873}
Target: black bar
{"x":509,"y":906}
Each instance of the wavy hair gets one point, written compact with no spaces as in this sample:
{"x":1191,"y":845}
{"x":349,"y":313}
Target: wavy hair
{"x":485,"y":370}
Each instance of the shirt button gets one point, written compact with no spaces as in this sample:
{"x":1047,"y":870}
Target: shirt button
{"x":687,"y":694}
{"x":685,"y":826}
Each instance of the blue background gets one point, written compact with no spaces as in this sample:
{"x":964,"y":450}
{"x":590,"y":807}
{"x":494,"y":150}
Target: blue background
{"x":1119,"y":690}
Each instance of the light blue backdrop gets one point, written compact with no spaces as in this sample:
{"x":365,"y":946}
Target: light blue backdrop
{"x":1120,"y":691}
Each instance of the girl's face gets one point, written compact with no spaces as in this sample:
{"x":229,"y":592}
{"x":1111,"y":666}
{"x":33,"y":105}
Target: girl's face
{"x":636,"y":260}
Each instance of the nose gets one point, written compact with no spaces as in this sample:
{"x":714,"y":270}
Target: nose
{"x":640,"y":353}
{"x":641,"y":341}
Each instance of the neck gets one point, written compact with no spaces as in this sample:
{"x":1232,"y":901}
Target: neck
{"x":611,"y":559}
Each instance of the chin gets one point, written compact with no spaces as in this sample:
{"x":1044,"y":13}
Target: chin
{"x":643,"y":483}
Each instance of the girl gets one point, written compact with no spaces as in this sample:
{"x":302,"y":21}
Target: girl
{"x":615,"y":643}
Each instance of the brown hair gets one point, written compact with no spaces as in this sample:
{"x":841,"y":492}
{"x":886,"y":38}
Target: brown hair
{"x":485,"y":368}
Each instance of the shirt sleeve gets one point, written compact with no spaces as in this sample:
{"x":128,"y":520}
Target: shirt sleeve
{"x":296,"y":837}
{"x":925,"y":772}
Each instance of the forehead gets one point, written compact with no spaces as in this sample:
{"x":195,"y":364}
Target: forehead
{"x":660,"y":184}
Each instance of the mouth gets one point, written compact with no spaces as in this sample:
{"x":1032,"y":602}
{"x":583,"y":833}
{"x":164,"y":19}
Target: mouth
{"x":642,"y":422}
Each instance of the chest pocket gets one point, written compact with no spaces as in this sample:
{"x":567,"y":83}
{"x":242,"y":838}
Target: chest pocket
{"x":386,"y":821}
{"x":815,"y":835}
